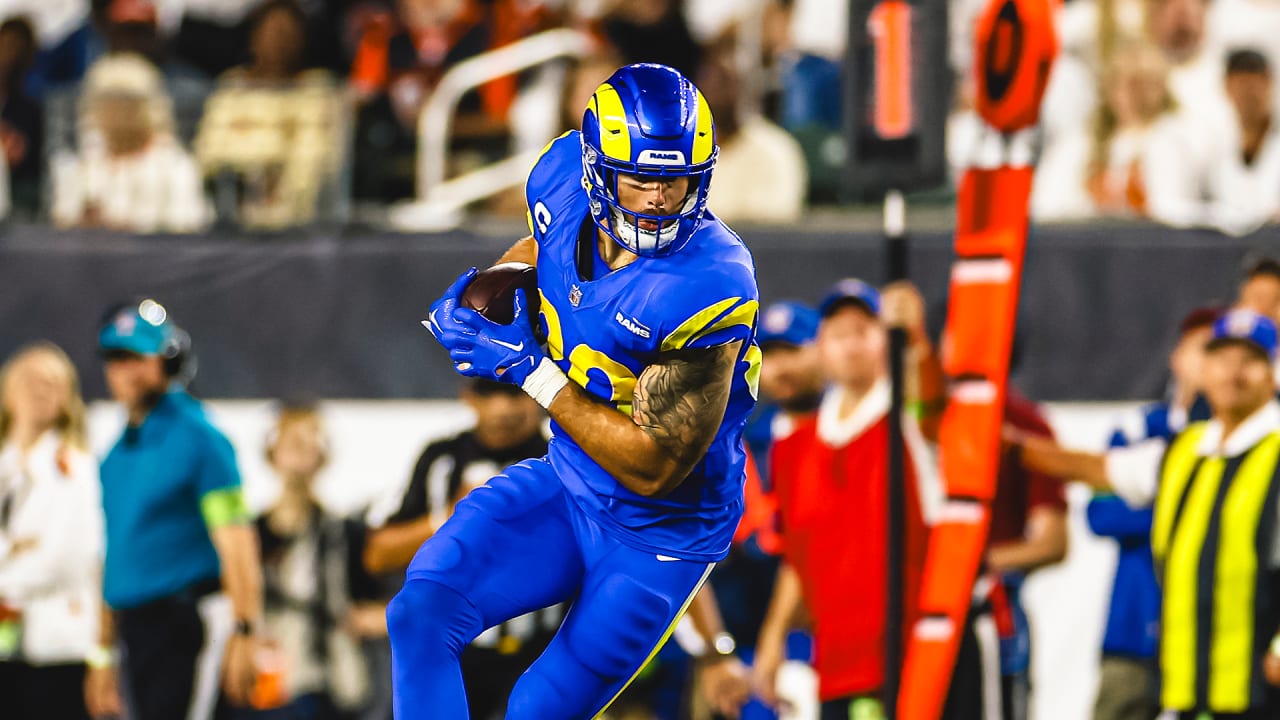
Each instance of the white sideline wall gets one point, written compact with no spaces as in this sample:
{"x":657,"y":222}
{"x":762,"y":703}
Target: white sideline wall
{"x":374,"y":445}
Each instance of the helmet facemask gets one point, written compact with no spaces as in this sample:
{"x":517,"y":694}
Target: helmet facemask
{"x":667,"y":233}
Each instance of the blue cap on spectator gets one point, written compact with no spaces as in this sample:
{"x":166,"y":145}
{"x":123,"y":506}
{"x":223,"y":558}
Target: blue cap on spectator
{"x":143,"y":328}
{"x":1248,"y":327}
{"x":850,"y":290}
{"x":788,"y":322}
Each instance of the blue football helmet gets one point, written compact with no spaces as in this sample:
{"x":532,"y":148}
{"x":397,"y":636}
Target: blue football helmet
{"x":648,"y":120}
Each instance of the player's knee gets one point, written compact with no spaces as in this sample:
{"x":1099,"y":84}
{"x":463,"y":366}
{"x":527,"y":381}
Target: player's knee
{"x":428,"y":615}
{"x":637,"y":618}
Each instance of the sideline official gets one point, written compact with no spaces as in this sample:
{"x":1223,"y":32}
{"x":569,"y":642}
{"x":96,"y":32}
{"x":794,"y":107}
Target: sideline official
{"x":1214,"y":530}
{"x":182,"y":579}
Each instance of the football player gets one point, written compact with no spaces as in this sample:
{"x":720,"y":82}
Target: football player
{"x":649,"y":372}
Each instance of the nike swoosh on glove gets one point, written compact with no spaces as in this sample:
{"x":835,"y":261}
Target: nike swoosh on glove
{"x":441,"y":322}
{"x":498,"y":352}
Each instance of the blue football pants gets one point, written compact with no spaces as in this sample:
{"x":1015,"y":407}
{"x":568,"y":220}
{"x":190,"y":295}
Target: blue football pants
{"x":514,"y":545}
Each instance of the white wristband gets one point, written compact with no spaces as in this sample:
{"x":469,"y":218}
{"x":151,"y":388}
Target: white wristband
{"x":545,"y":382}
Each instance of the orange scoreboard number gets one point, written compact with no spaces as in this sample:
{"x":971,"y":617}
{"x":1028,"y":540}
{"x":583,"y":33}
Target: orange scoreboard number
{"x":889,"y":26}
{"x":897,"y":93}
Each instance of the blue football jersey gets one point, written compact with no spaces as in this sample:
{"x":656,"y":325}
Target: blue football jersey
{"x":603,"y":332}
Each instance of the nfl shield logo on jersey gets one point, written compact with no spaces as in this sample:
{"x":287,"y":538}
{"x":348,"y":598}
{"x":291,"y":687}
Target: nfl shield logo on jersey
{"x":575,"y":295}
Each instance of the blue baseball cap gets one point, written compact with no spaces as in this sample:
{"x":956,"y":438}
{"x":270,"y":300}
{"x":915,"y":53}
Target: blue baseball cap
{"x":850,"y":289}
{"x":143,"y":328}
{"x":788,"y":322}
{"x":1248,"y":327}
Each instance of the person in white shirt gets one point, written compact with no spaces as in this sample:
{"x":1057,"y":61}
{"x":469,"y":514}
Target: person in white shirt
{"x":131,"y":172}
{"x":1238,"y":188}
{"x":50,"y":538}
{"x":1214,"y":534}
{"x":1086,"y":173}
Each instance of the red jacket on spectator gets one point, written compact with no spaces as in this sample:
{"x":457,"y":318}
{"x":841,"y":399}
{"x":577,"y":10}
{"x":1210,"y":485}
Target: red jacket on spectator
{"x":830,"y":481}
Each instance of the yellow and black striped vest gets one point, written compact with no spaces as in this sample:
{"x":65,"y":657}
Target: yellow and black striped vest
{"x":1215,"y":519}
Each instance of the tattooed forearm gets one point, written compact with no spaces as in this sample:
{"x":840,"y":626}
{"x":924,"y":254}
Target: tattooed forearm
{"x":680,"y":401}
{"x":677,"y":408}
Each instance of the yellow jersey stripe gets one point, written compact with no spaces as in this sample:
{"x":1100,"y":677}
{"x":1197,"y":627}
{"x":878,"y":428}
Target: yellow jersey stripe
{"x":696,"y":323}
{"x":744,"y":314}
{"x":754,"y":358}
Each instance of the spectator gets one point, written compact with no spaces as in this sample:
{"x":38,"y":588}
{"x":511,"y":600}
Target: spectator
{"x":1135,"y":96}
{"x":791,"y":377}
{"x":1213,"y":487}
{"x":1082,"y":176}
{"x":50,"y":537}
{"x":211,"y":35}
{"x":1129,"y":677}
{"x":181,"y":578}
{"x":829,"y":476}
{"x":314,"y":579}
{"x":21,"y":117}
{"x":1260,"y":289}
{"x":1096,"y":36}
{"x":64,"y":33}
{"x":653,"y":31}
{"x":1247,"y":23}
{"x":274,"y":128}
{"x":1241,"y":188}
{"x":760,"y":170}
{"x":399,"y":60}
{"x":130,"y":173}
{"x":508,"y":429}
{"x":134,"y":26}
{"x":1180,"y":29}
{"x":812,"y":65}
{"x":1249,"y":179}
{"x":791,"y":383}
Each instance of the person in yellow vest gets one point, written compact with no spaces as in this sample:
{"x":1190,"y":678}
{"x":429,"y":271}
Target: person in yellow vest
{"x":1214,"y":535}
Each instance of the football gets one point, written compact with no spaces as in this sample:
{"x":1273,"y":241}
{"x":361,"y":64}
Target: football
{"x":492,"y":292}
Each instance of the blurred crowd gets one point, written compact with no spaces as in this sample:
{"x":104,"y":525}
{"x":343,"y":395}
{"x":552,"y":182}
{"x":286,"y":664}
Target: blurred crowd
{"x":1163,"y":109}
{"x":176,"y":115}
{"x":173,"y":116}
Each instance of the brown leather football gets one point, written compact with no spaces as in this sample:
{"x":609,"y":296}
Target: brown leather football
{"x":492,"y":292}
